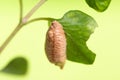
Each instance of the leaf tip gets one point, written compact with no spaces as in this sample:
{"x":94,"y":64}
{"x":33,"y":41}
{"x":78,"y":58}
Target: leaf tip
{"x":17,"y":66}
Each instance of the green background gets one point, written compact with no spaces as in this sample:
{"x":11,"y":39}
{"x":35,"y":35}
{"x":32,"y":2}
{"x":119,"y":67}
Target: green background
{"x":29,"y":42}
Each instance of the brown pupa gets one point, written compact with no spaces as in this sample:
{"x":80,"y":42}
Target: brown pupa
{"x":55,"y":45}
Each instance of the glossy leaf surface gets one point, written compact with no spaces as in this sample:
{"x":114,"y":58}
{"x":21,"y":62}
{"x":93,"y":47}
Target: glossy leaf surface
{"x":99,"y":5}
{"x":78,"y":27}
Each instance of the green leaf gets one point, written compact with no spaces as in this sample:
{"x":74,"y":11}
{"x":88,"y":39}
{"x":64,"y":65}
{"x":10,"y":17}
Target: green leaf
{"x":99,"y":5}
{"x":78,"y":27}
{"x":16,"y":66}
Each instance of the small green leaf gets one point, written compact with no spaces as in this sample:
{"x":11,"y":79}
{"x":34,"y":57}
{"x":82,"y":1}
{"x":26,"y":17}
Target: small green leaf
{"x":78,"y":27}
{"x":99,"y":5}
{"x":16,"y":66}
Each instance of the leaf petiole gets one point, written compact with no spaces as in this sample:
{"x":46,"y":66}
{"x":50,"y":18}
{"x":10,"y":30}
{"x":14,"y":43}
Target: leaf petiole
{"x":41,"y":18}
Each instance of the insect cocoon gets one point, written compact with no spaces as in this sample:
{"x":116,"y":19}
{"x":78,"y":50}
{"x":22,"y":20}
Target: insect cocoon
{"x":55,"y":45}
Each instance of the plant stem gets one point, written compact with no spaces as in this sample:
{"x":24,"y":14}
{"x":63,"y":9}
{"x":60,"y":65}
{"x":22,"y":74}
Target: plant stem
{"x":30,"y":13}
{"x":22,"y":22}
{"x":21,"y":10}
{"x":10,"y":37}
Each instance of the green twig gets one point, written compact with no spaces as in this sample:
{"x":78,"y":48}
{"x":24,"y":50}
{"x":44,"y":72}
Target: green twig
{"x":38,"y":19}
{"x":21,"y":10}
{"x":21,"y":22}
{"x":10,"y":37}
